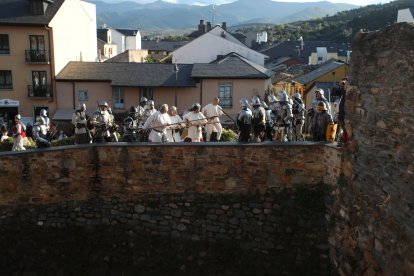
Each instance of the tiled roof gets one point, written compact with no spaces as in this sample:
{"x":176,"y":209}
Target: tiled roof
{"x":329,"y":66}
{"x":231,"y":66}
{"x":128,"y":74}
{"x":293,"y":49}
{"x":17,"y":12}
{"x":168,"y":46}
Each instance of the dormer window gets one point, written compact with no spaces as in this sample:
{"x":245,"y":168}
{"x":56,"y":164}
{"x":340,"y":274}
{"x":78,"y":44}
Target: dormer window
{"x":38,"y":7}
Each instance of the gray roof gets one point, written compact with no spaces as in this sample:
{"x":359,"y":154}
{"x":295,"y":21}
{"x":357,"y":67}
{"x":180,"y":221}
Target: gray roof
{"x":128,"y":74}
{"x":168,"y":46}
{"x":231,"y":66}
{"x":102,"y":34}
{"x":128,"y":32}
{"x":17,"y":12}
{"x":293,"y":49}
{"x":331,"y":65}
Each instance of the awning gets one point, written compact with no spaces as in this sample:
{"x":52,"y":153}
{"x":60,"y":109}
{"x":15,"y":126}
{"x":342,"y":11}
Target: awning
{"x":65,"y":114}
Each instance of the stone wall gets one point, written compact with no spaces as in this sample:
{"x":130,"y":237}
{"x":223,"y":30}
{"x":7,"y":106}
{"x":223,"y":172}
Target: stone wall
{"x":265,"y":197}
{"x":373,"y":203}
{"x":122,"y":170}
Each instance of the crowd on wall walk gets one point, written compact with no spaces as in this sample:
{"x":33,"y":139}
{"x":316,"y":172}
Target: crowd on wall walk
{"x":282,"y":119}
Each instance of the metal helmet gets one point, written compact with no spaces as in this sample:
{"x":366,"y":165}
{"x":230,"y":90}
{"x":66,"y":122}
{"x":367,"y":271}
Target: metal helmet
{"x":321,"y":106}
{"x":271,"y":99}
{"x":244,"y":102}
{"x":143,"y":99}
{"x":43,"y":112}
{"x":297,"y":95}
{"x":151,"y":103}
{"x":104,"y":103}
{"x":283,"y":97}
{"x":133,"y":110}
{"x":320,"y":90}
{"x":196,"y":106}
{"x":18,"y":117}
{"x":265,"y":106}
{"x":256,"y":101}
{"x":82,"y":106}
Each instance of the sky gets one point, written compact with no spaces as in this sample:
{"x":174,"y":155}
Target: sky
{"x":218,"y":2}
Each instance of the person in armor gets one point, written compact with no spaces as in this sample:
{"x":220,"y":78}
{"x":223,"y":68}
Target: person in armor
{"x":341,"y":131}
{"x":102,"y":121}
{"x":141,"y":110}
{"x":40,"y":133}
{"x":283,"y":123}
{"x":320,"y":97}
{"x":149,"y":110}
{"x":79,"y":120}
{"x":43,"y":114}
{"x":320,"y":122}
{"x":298,"y":110}
{"x":173,"y":133}
{"x":258,"y":120}
{"x":213,"y":111}
{"x":269,"y":121}
{"x":131,"y":125}
{"x":19,"y":135}
{"x":244,"y":121}
{"x":273,"y":106}
{"x":194,"y":120}
{"x":158,"y":123}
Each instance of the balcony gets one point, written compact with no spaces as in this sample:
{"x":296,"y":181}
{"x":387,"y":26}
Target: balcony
{"x":40,"y":92}
{"x":37,"y":56}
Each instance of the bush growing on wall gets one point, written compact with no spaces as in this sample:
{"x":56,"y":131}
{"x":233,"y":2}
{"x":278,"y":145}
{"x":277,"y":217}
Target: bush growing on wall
{"x":228,"y":135}
{"x":7,"y":144}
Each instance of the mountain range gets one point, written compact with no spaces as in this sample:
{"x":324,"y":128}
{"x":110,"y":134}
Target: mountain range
{"x":165,"y":15}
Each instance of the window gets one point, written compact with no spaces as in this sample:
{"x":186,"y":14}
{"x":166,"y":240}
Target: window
{"x":39,"y":85}
{"x":83,"y":95}
{"x":118,"y":97}
{"x":147,"y":92}
{"x":6,"y":79}
{"x":4,"y":44}
{"x":226,"y":95}
{"x":37,"y":48}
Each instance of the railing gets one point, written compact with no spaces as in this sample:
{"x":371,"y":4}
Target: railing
{"x":37,"y":56}
{"x":40,"y":92}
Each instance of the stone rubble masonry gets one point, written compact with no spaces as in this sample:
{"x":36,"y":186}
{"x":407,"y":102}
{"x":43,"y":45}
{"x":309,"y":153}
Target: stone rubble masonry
{"x":266,"y":196}
{"x":122,"y":170}
{"x":373,"y":204}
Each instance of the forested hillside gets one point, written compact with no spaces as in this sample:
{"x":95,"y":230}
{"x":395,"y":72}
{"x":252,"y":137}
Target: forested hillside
{"x":342,"y":26}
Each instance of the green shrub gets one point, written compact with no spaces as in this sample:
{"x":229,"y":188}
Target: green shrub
{"x":228,"y":135}
{"x":7,"y":144}
{"x":64,"y":142}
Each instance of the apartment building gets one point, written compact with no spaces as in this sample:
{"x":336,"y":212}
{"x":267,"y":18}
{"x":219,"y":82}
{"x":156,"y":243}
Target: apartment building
{"x":37,"y":39}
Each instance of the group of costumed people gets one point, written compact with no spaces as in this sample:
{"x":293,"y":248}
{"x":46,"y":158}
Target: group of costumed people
{"x":283,"y":119}
{"x":41,"y":132}
{"x":147,"y":124}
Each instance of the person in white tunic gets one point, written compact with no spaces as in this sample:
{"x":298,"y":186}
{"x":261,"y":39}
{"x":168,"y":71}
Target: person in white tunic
{"x":158,"y":123}
{"x":195,"y":119}
{"x":173,"y":133}
{"x":213,"y":111}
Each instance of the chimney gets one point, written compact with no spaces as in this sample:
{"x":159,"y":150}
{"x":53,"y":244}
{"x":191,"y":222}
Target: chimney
{"x":224,"y":26}
{"x":208,"y":26}
{"x":201,"y":27}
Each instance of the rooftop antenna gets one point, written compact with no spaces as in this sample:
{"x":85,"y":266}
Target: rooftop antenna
{"x":213,"y":7}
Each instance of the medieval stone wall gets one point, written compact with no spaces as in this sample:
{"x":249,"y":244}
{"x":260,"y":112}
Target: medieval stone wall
{"x":373,"y":203}
{"x":265,"y":197}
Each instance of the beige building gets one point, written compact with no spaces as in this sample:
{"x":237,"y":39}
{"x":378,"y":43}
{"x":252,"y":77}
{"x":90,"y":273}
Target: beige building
{"x":123,"y":84}
{"x":37,"y":39}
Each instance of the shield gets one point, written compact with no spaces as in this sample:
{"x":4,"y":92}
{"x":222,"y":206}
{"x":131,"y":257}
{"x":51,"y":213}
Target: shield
{"x":331,"y":132}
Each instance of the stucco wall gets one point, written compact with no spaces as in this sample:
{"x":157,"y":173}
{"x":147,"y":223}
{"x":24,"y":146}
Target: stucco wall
{"x":74,"y":34}
{"x":22,"y":71}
